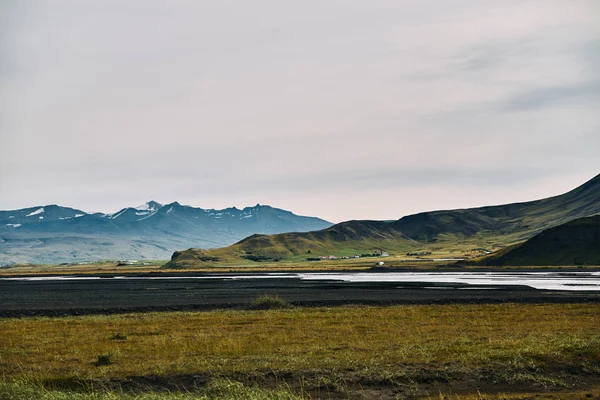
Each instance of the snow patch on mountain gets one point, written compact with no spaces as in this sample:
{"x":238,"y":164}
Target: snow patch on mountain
{"x":151,"y":214}
{"x":117,"y":215}
{"x":149,"y":206}
{"x":36,"y":212}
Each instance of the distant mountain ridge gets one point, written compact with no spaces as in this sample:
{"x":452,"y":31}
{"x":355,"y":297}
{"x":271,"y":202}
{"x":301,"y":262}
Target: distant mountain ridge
{"x":483,"y":226}
{"x":51,"y":233}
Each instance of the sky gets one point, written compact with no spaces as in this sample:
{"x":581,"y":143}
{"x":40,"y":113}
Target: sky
{"x":340,"y":109}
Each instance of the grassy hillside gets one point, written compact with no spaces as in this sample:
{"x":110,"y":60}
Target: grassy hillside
{"x":492,"y":227}
{"x":574,"y":243}
{"x":514,"y":222}
{"x":345,"y":239}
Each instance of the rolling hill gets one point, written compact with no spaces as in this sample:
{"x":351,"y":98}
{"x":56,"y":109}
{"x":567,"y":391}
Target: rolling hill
{"x":491,"y":227}
{"x":344,"y":239}
{"x":515,"y":222}
{"x":574,"y":243}
{"x":55,"y":234}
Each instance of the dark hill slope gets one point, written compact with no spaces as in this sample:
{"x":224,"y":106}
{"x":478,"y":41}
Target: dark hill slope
{"x":517,"y":221}
{"x":574,"y":243}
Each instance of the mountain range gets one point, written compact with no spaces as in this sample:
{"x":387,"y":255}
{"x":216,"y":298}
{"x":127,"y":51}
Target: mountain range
{"x":55,"y":234}
{"x":492,"y":227}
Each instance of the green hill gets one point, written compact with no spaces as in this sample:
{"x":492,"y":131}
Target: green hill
{"x":344,"y":239}
{"x":574,"y":243}
{"x":489,"y":227}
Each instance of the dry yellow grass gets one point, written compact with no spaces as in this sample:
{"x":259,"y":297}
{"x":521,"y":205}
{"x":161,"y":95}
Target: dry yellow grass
{"x":113,"y":268}
{"x":95,"y":268}
{"x":325,"y":265}
{"x":511,"y":343}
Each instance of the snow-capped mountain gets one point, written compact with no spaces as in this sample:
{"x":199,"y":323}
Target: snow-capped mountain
{"x":136,"y":213}
{"x":53,"y":234}
{"x":39,"y":214}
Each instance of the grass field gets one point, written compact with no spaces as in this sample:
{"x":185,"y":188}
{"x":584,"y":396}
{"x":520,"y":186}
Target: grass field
{"x":400,"y":351}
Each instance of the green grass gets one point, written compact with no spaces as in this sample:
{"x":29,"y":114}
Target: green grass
{"x":216,"y":389}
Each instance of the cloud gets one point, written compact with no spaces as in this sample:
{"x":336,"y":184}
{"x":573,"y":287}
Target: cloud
{"x":103,"y":104}
{"x":553,"y":96}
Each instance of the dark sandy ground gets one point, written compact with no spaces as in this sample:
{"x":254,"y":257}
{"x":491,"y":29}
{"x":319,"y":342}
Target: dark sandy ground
{"x":104,"y":296}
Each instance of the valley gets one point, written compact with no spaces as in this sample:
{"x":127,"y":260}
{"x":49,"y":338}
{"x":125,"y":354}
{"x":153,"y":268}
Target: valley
{"x":299,"y":200}
{"x":496,"y":302}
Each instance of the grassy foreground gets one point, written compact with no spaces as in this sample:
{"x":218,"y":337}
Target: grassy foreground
{"x":505,"y":350}
{"x":217,"y":389}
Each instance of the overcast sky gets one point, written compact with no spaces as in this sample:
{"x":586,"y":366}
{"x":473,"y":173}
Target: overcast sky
{"x":340,"y":109}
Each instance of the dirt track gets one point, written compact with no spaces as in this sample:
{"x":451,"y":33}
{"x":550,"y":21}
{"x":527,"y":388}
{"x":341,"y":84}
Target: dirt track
{"x":22,"y":298}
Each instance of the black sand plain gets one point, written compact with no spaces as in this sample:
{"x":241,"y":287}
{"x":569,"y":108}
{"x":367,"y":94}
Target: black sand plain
{"x":163,"y":293}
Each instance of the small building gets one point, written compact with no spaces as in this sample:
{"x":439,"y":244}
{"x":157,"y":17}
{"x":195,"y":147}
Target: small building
{"x":385,"y":254}
{"x":380,"y":263}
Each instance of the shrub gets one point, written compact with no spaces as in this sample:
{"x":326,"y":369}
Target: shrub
{"x":269,"y":302}
{"x":207,"y":258}
{"x":118,"y":336}
{"x":259,"y":258}
{"x":104,"y":359}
